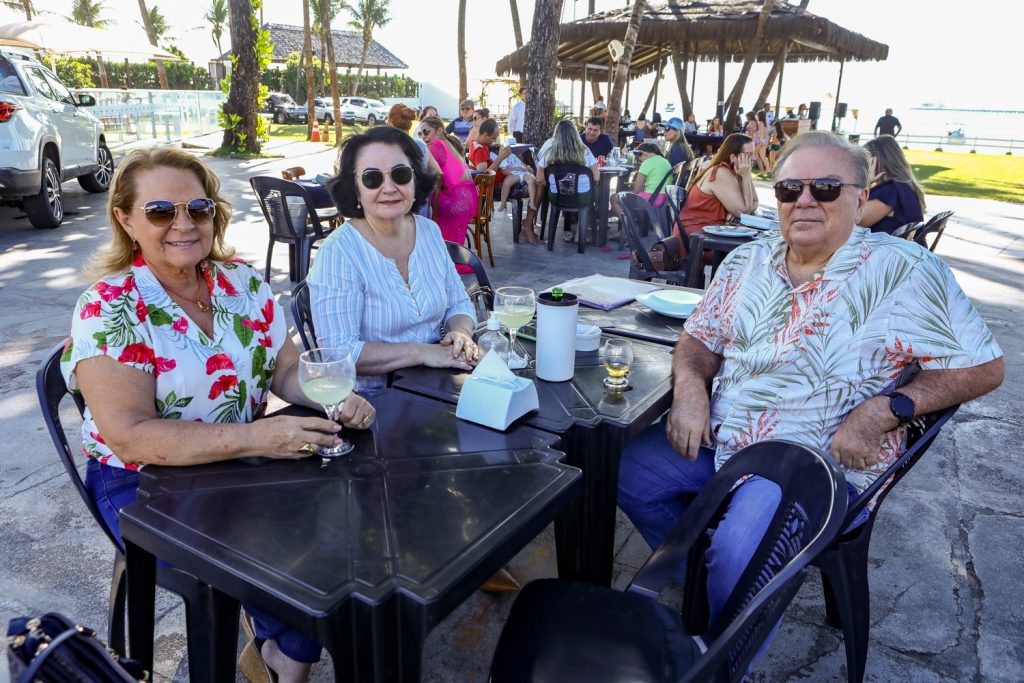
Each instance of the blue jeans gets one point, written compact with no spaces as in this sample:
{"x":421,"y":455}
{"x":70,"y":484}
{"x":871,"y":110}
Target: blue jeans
{"x":653,"y":479}
{"x":112,"y":488}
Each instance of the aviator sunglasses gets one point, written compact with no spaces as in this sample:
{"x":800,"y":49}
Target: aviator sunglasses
{"x":162,"y":213}
{"x":373,"y":178}
{"x":822,"y":189}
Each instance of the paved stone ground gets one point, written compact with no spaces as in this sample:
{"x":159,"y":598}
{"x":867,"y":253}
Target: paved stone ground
{"x":946,"y":565}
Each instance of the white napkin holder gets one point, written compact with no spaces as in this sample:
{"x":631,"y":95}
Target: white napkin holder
{"x":494,"y":396}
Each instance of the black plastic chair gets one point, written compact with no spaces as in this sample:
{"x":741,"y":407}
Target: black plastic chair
{"x":296,"y":225}
{"x":627,"y":206}
{"x":907,"y":231}
{"x":844,"y":564}
{"x":572,"y":631}
{"x":566,"y":199}
{"x":480,"y":292}
{"x":933,"y":227}
{"x":302,"y":315}
{"x":201,"y":602}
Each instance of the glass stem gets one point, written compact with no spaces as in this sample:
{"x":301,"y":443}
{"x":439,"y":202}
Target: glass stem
{"x":512,"y":343}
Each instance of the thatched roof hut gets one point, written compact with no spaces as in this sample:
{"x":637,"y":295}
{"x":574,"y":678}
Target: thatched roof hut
{"x":348,"y":47}
{"x":706,"y":31}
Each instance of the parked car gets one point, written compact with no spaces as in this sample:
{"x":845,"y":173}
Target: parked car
{"x":47,"y":136}
{"x":363,"y":110}
{"x":283,"y":109}
{"x":324,"y":109}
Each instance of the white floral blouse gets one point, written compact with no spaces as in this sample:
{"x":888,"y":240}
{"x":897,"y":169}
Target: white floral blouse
{"x":797,"y":360}
{"x":131,"y":318}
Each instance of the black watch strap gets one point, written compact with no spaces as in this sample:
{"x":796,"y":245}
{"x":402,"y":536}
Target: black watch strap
{"x":901,"y":406}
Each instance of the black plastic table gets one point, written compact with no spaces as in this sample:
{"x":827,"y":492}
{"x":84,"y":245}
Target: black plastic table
{"x":699,"y":241}
{"x":635,"y":321}
{"x":604,"y":198}
{"x":366,"y":553}
{"x":595,"y":426}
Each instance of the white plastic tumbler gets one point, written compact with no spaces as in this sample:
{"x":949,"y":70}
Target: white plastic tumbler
{"x":556,"y":335}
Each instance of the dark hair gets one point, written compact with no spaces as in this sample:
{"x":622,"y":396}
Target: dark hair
{"x":400,"y":116}
{"x":650,"y":148}
{"x":489,"y":127}
{"x":762,"y":117}
{"x":733,"y":144}
{"x":343,"y":186}
{"x":484,"y":112}
{"x":434,"y":123}
{"x":596,"y":121}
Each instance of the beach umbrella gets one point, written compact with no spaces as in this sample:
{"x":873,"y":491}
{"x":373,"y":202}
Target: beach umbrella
{"x":70,"y":39}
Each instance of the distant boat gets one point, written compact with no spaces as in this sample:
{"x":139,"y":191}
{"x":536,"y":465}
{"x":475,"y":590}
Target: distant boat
{"x":955,"y":132}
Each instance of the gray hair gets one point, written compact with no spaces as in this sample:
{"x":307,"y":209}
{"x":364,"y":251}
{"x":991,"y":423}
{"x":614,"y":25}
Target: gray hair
{"x":859,"y":159}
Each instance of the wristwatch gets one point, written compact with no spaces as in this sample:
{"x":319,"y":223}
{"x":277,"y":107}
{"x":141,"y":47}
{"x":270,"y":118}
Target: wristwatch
{"x":901,"y":406}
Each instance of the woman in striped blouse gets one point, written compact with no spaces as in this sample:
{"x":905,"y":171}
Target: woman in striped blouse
{"x":383,"y":284}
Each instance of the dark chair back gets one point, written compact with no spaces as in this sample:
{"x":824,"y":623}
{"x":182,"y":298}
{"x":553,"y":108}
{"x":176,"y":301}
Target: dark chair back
{"x":292,"y":219}
{"x":480,"y":292}
{"x":627,"y":206}
{"x":907,"y":231}
{"x":302,"y":315}
{"x":933,"y":229}
{"x":567,"y":186}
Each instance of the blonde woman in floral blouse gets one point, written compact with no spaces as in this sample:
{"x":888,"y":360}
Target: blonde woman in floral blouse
{"x":175,"y":349}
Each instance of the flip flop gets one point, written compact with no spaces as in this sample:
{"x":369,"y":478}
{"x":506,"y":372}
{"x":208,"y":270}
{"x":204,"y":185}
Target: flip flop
{"x":251,"y":663}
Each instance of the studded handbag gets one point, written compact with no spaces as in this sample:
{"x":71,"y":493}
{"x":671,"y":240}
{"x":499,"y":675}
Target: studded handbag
{"x":52,"y":649}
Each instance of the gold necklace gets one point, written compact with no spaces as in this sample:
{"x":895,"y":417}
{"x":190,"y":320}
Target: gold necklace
{"x":198,"y":301}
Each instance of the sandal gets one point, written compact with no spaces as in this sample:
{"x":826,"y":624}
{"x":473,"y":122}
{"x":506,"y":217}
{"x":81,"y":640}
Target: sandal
{"x":251,"y":663}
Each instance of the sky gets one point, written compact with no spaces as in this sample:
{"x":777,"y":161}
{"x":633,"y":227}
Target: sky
{"x":959,"y":59}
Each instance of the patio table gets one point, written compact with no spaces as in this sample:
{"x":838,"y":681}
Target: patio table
{"x":604,"y":198}
{"x":594,"y":426}
{"x":700,"y":140}
{"x":699,"y":241}
{"x":366,"y":552}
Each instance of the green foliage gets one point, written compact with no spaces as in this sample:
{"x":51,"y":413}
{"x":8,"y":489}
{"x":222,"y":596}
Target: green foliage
{"x":81,"y":72}
{"x":233,"y":122}
{"x":74,"y":73}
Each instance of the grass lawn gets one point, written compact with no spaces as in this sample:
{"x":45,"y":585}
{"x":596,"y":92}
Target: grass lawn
{"x":297,"y":131}
{"x":986,"y":176}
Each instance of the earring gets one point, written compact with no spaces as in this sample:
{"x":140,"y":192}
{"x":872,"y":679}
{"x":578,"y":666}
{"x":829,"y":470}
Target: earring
{"x":359,"y":205}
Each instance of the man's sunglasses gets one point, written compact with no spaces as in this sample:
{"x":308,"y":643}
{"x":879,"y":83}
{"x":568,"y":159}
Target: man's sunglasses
{"x":373,"y":178}
{"x":162,"y":213}
{"x":822,"y":189}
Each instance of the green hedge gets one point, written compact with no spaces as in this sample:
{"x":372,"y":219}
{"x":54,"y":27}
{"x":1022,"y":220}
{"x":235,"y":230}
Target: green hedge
{"x":292,"y":80}
{"x":83,"y":72}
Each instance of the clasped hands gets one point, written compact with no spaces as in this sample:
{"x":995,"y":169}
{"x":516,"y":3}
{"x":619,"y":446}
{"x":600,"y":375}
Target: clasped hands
{"x":455,"y":350}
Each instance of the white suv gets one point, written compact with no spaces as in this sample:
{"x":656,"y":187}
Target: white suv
{"x":363,"y":109}
{"x":46,"y":137}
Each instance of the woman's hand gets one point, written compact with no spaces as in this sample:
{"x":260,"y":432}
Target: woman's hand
{"x":462,"y":345}
{"x":743,"y":163}
{"x":285,"y":436}
{"x":438,"y":356}
{"x":357,"y":413}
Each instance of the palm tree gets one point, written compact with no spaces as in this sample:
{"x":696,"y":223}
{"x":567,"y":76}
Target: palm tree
{"x":307,"y":55}
{"x":243,"y":95}
{"x":325,"y":23}
{"x":147,"y":23}
{"x":217,"y":16}
{"x":516,"y":28}
{"x":754,"y":47}
{"x":366,"y":16}
{"x":622,"y":68}
{"x":87,"y":13}
{"x":541,"y":72}
{"x":24,"y":5}
{"x":463,"y":86}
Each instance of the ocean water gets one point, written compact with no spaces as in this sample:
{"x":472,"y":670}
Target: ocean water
{"x":987,"y":131}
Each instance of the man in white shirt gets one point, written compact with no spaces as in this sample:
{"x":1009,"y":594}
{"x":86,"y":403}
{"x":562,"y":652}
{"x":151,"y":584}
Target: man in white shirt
{"x":517,"y":116}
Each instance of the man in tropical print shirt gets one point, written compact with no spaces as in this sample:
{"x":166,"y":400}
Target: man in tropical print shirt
{"x":804,"y":336}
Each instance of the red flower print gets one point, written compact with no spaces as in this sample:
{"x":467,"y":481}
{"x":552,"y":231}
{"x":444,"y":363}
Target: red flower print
{"x":164,"y":365}
{"x":97,"y":438}
{"x":255,"y":325}
{"x":130,"y":467}
{"x":108,"y":292}
{"x":223,"y":383}
{"x":90,"y":310}
{"x":180,"y":325}
{"x":265,"y":341}
{"x":219,"y":361}
{"x":140,"y":311}
{"x":268,"y":311}
{"x":225,"y":284}
{"x":139,"y":261}
{"x":137,"y":353}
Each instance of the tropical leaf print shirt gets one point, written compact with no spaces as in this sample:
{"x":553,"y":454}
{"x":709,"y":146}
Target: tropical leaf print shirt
{"x":130,"y":318}
{"x":797,"y":360}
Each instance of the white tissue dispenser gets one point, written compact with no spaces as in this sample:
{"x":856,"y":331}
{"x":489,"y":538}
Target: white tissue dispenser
{"x":494,"y":396}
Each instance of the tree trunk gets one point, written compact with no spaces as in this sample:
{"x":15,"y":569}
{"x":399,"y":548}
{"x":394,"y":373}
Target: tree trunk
{"x":622,"y":71}
{"x":463,"y":86}
{"x":160,"y":71}
{"x":367,"y":39}
{"x":307,"y":55}
{"x":543,"y":65}
{"x":595,"y":88}
{"x":679,"y":66}
{"x":748,"y":61}
{"x":104,"y":81}
{"x":325,"y":21}
{"x":654,"y":88}
{"x":772,"y":75}
{"x":516,"y":28}
{"x":243,"y":95}
{"x":27,"y":6}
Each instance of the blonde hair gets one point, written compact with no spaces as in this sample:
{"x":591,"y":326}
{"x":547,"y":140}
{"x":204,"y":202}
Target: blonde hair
{"x":566,"y":145}
{"x":120,"y":252}
{"x":893,"y":165}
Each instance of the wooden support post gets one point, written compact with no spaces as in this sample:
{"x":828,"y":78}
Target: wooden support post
{"x":720,"y":106}
{"x":657,"y":79}
{"x":778,"y":93}
{"x":583,"y":95}
{"x":839,"y":87}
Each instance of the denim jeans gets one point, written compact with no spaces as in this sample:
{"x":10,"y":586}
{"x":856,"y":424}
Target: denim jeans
{"x":653,"y":479}
{"x":112,"y":488}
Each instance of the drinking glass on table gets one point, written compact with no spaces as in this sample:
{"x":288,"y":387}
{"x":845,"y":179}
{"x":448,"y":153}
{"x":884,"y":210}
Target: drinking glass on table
{"x":328,"y":376}
{"x":514,"y":307}
{"x":617,"y":356}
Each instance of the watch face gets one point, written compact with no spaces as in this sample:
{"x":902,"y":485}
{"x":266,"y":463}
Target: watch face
{"x":901,"y":406}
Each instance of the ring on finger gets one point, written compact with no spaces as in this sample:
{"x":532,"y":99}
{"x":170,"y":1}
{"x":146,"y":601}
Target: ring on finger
{"x":367,"y":419}
{"x":308,"y":448}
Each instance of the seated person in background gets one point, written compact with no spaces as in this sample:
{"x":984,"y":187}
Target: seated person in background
{"x":429,"y":110}
{"x":790,"y":114}
{"x":724,"y":188}
{"x":714,"y":128}
{"x":679,"y":151}
{"x":691,"y":124}
{"x":593,"y":136}
{"x":801,"y":112}
{"x":176,"y":349}
{"x":566,"y":147}
{"x":479,"y":116}
{"x":461,"y":126}
{"x":457,"y":196}
{"x":652,"y":175}
{"x":520,"y":179}
{"x":640,"y":131}
{"x":383,"y":284}
{"x":896,"y":198}
{"x":792,"y":351}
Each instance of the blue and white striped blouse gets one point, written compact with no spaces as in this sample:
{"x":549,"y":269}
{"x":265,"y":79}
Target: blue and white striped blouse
{"x":358,"y":295}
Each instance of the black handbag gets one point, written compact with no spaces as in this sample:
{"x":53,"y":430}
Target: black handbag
{"x":54,"y":650}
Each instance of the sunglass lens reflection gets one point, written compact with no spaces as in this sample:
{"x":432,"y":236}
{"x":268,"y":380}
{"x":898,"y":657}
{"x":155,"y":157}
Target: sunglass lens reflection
{"x":822,"y":189}
{"x":400,"y":175}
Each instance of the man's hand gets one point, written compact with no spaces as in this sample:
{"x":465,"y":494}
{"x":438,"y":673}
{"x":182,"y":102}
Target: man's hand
{"x":689,"y":426}
{"x":856,"y":444}
{"x":503,"y":153}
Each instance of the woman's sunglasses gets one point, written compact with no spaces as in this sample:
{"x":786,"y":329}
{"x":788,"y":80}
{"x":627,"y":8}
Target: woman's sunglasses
{"x":373,"y":178}
{"x":162,"y":213}
{"x":822,"y":189}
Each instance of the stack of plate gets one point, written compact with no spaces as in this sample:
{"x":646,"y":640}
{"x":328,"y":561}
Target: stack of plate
{"x":670,"y":302}
{"x":729,"y":231}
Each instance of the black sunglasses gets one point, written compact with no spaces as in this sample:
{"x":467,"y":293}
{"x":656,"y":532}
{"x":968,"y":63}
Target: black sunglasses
{"x":822,"y":189}
{"x":373,"y":178}
{"x":162,"y":213}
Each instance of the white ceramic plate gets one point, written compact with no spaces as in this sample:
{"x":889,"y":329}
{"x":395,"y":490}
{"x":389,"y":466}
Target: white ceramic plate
{"x":729,"y":231}
{"x":670,"y":302}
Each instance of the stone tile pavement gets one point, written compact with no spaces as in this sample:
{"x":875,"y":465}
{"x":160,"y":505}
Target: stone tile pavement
{"x":946,"y":563}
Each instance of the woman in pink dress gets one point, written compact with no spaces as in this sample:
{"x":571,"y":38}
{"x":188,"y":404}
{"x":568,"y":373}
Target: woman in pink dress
{"x":458,"y":198}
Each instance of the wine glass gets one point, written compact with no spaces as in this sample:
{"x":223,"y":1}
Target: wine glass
{"x":328,"y":376}
{"x":616,"y":156}
{"x":514,"y":307}
{"x":617,"y":356}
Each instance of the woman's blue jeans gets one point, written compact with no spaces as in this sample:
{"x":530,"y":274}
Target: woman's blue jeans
{"x":112,"y":488}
